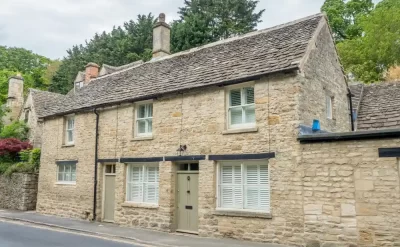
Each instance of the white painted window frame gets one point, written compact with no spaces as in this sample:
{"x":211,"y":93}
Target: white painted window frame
{"x":128,"y":182}
{"x":137,"y":119}
{"x":243,"y":164}
{"x":67,"y":129}
{"x":72,"y":182}
{"x":228,"y":90}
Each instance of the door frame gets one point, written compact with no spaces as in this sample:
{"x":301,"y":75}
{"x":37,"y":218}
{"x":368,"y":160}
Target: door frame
{"x":176,"y":195}
{"x":103,"y":194}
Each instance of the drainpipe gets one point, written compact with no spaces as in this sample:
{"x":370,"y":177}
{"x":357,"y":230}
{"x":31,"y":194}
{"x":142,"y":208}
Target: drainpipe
{"x":95,"y":164}
{"x":350,"y":95}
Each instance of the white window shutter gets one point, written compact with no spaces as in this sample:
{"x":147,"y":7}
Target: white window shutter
{"x":231,"y":186}
{"x":136,"y":186}
{"x":151,"y":185}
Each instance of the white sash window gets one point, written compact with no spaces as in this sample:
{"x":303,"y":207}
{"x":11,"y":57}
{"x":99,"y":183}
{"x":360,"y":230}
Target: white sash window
{"x":69,"y":130}
{"x":241,"y":108}
{"x":244,"y":186}
{"x":144,"y":119}
{"x":143,"y":183}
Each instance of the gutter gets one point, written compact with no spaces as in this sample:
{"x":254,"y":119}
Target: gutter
{"x":350,"y":136}
{"x":152,"y":96}
{"x":95,"y":164}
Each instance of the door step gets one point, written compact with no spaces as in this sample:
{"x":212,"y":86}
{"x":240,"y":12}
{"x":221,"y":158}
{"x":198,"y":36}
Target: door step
{"x":187,"y":232}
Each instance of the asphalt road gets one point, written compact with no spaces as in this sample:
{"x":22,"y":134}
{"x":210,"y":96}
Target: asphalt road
{"x":16,"y":235}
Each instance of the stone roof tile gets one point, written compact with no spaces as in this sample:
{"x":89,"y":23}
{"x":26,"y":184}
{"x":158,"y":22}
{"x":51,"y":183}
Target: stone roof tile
{"x":252,"y":55}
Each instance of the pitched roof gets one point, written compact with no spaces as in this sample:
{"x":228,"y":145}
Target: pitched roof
{"x":45,"y":102}
{"x":379,"y":107}
{"x":233,"y":60}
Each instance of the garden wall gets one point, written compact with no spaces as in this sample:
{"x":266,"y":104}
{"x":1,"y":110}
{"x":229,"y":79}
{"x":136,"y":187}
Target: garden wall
{"x":18,"y":192}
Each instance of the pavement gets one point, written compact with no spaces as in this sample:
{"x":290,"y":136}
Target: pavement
{"x":115,"y":232}
{"x":19,"y":235}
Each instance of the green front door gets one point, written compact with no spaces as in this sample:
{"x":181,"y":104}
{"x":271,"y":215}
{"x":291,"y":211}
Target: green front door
{"x":187,"y":206}
{"x":109,"y":193}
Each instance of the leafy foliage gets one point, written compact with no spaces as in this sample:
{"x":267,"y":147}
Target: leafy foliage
{"x":344,"y":17}
{"x":30,"y":162}
{"x":368,"y":36}
{"x":17,"y":129}
{"x":205,"y":21}
{"x":368,"y":57}
{"x":10,"y":147}
{"x":32,"y":67}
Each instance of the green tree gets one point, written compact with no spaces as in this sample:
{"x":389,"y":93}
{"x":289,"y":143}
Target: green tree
{"x":344,"y":17}
{"x":367,"y":57}
{"x":205,"y":21}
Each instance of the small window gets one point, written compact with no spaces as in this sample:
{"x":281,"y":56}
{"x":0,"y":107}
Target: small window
{"x":66,"y":173}
{"x":142,"y":183}
{"x":69,"y":130}
{"x":110,"y":169}
{"x":244,"y":186}
{"x":241,"y":110}
{"x":78,"y":85}
{"x":26,"y":116}
{"x":329,"y":103}
{"x":188,"y":167}
{"x":144,"y":119}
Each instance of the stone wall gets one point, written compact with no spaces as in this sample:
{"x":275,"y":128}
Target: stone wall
{"x":19,"y":192}
{"x":351,"y":196}
{"x":323,"y":76}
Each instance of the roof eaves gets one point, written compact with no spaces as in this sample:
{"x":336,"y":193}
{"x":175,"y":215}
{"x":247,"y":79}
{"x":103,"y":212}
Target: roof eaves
{"x":292,"y":68}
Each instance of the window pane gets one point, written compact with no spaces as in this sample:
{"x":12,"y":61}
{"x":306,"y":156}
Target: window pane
{"x":250,"y":114}
{"x":142,"y":111}
{"x":150,"y":110}
{"x":151,"y":174}
{"x":235,"y":97}
{"x":60,"y":176}
{"x":141,"y":126}
{"x":249,"y":95}
{"x":149,"y":125}
{"x":151,"y":193}
{"x":252,"y":175}
{"x":236,"y":115}
{"x":135,"y":192}
{"x":70,"y":123}
{"x":70,"y":135}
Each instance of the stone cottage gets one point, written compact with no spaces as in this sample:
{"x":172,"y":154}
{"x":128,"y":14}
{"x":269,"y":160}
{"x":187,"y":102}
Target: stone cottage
{"x":216,"y":141}
{"x":30,"y":109}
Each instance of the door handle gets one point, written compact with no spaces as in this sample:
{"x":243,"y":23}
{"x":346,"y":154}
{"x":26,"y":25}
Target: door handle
{"x":188,"y":191}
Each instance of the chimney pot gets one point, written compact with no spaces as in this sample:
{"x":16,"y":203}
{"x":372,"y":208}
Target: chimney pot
{"x":161,"y":18}
{"x":91,"y":71}
{"x":161,"y":38}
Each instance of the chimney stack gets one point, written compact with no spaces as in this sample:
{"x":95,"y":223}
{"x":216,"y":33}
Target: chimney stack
{"x":161,"y":38}
{"x":15,"y":98}
{"x":91,"y":71}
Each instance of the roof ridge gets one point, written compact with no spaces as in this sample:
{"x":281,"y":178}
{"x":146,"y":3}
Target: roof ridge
{"x":224,"y":41}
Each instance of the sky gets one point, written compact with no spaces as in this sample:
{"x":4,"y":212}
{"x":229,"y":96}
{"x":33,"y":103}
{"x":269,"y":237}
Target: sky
{"x":50,"y":27}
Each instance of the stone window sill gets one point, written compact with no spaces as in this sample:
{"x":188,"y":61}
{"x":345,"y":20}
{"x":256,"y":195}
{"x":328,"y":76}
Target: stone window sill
{"x":246,"y":214}
{"x":65,"y":183}
{"x":239,"y":131}
{"x":139,"y":205}
{"x":68,"y":145}
{"x":142,"y":138}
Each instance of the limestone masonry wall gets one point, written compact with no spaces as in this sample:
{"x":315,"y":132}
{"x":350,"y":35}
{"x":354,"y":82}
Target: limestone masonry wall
{"x":351,"y":196}
{"x":19,"y":192}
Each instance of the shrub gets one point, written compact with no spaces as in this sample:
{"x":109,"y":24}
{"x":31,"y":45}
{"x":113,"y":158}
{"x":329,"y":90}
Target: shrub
{"x":4,"y":166}
{"x":19,"y":167}
{"x":11,"y":147}
{"x":35,"y":157}
{"x":17,"y":129}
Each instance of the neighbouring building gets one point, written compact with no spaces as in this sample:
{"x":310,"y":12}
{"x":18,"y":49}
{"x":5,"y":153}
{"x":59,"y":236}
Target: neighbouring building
{"x":217,"y":141}
{"x":30,"y":109}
